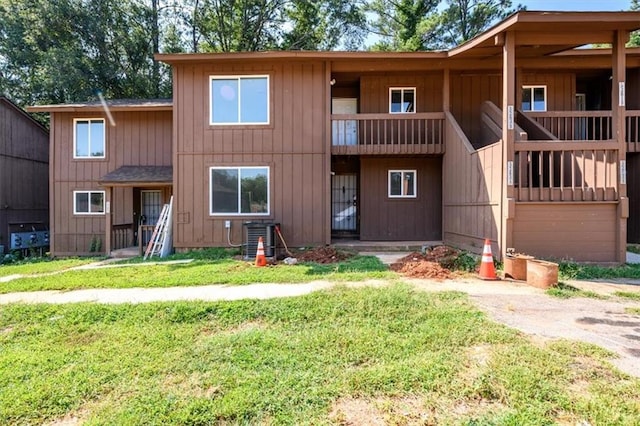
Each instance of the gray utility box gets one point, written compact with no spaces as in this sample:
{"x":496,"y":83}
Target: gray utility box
{"x":252,"y":231}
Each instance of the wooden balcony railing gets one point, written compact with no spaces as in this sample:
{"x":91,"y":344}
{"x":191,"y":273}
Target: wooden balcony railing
{"x":420,"y":133}
{"x":632,"y":127}
{"x":566,"y":171}
{"x":122,"y":236}
{"x":576,"y":125}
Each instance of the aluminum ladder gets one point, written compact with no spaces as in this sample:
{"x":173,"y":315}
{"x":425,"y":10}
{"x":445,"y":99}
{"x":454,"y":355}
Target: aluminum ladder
{"x":157,"y":238}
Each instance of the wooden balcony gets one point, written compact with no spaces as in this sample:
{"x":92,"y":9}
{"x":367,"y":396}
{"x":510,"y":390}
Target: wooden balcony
{"x":576,"y":125}
{"x":387,"y":134}
{"x":566,"y":171}
{"x":632,"y":127}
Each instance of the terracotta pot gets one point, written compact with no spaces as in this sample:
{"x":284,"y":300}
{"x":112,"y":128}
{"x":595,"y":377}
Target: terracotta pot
{"x":542,"y":274}
{"x":515,"y":266}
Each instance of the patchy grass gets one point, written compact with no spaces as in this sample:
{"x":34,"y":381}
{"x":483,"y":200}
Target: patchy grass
{"x":628,"y":295}
{"x":632,"y":311}
{"x":577,"y":271}
{"x":43,"y":265}
{"x":566,"y":291}
{"x":392,"y":352}
{"x":203,"y":272}
{"x":211,"y":253}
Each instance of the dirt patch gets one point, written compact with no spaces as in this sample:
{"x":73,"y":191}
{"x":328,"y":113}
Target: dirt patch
{"x":70,"y":419}
{"x":322,"y":255}
{"x":435,"y":263}
{"x":356,"y":411}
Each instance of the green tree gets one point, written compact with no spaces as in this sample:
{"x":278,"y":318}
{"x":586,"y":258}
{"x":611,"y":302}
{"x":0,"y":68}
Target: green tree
{"x":400,"y":24}
{"x":462,"y":20}
{"x":634,"y":40}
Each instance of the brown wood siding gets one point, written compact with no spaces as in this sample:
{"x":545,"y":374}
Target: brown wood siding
{"x":561,"y":88}
{"x":24,"y":168}
{"x":374,"y":91}
{"x":633,"y":192}
{"x":581,"y":232}
{"x":413,"y":219}
{"x":471,"y":191}
{"x":468,"y":92}
{"x":293,"y":145}
{"x":138,"y":138}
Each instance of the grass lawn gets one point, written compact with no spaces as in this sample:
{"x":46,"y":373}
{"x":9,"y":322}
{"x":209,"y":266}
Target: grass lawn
{"x":566,"y":291}
{"x":202,"y":272}
{"x":329,"y":357}
{"x":570,"y":270}
{"x":42,"y":266}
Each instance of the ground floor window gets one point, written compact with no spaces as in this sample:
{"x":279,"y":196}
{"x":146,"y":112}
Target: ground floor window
{"x":402,"y":183}
{"x":534,"y":98}
{"x":88,"y":202}
{"x":239,"y":191}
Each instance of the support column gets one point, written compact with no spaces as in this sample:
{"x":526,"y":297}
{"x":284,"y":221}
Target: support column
{"x":446,"y":91}
{"x":618,"y":111}
{"x":108,"y":220}
{"x":327,"y":154}
{"x":508,"y":139}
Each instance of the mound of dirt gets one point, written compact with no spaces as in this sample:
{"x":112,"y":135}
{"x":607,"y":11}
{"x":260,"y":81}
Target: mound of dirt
{"x":322,"y":255}
{"x":433,"y":264}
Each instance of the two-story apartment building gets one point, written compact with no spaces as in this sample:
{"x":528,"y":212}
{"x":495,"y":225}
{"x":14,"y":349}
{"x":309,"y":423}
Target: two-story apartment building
{"x":516,"y":136}
{"x":24,"y":178}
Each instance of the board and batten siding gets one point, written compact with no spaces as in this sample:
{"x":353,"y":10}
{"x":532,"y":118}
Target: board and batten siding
{"x":470,"y":90}
{"x":472,"y":191}
{"x":412,"y":219}
{"x":374,"y":91}
{"x":24,"y":170}
{"x":138,"y":138}
{"x":580,"y":232}
{"x":294,"y":145}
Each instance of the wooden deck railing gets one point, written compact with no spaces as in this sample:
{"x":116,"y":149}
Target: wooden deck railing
{"x":122,"y":236}
{"x":576,"y":125}
{"x":566,"y":171}
{"x":632,"y":127}
{"x":420,"y":133}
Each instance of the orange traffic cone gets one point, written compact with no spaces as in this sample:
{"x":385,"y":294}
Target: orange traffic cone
{"x":487,"y":271}
{"x":261,"y":260}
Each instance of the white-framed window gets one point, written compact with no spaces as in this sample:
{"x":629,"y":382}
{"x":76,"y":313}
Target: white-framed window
{"x":239,"y":191}
{"x":88,"y":138}
{"x":534,"y":98}
{"x":402,"y":183}
{"x":402,"y":100}
{"x":239,"y":100}
{"x":88,"y":202}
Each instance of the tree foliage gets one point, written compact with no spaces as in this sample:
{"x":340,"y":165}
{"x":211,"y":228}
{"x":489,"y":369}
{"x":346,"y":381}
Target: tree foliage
{"x":412,"y":25}
{"x":634,"y":39}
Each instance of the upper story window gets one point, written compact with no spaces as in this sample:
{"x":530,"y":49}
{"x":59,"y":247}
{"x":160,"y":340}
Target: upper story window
{"x":88,"y":202}
{"x":239,"y":191}
{"x":240,"y":100}
{"x":88,"y":138}
{"x":534,"y":98}
{"x":402,"y":100}
{"x":402,"y":184}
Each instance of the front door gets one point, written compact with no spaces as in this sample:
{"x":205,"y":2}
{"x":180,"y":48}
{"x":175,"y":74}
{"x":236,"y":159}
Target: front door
{"x":151,"y":206}
{"x":344,"y":132}
{"x":344,"y":203}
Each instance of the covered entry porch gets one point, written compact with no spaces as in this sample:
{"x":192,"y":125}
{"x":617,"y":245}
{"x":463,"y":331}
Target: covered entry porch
{"x":134,"y":197}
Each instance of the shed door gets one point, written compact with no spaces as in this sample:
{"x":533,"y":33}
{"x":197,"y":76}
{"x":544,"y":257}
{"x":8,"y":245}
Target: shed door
{"x":344,"y":200}
{"x":344,"y":132}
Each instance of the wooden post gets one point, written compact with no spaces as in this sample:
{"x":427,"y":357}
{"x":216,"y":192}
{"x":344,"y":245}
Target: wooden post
{"x":618,"y":111}
{"x":327,"y":220}
{"x":446,"y":91}
{"x":108,"y":220}
{"x":508,"y":138}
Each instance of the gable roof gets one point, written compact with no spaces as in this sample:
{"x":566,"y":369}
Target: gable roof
{"x":6,"y":101}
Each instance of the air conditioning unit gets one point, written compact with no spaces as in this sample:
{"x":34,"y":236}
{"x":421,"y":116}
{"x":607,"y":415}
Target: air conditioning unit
{"x":252,"y":231}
